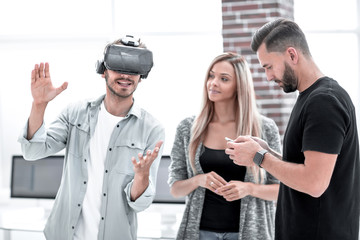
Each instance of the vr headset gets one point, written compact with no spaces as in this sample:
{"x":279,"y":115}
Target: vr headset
{"x":128,"y":58}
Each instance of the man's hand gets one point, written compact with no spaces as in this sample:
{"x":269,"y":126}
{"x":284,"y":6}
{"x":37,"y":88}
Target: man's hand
{"x":142,"y":171}
{"x":262,"y":143}
{"x":42,"y":89}
{"x":242,"y":150}
{"x":142,"y":167}
{"x":43,"y":92}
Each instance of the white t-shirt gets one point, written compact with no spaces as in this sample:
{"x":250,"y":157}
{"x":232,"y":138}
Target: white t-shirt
{"x":88,"y":224}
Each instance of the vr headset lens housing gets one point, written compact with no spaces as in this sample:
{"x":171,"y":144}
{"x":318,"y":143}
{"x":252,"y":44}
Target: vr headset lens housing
{"x":128,"y":60}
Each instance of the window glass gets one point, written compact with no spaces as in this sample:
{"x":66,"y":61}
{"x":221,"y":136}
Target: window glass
{"x":325,"y":15}
{"x":184,"y":37}
{"x":44,"y":17}
{"x":332,"y":31}
{"x":336,"y":61}
{"x":166,"y":17}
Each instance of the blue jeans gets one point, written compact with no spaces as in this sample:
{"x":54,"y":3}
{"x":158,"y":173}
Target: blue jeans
{"x":207,"y":235}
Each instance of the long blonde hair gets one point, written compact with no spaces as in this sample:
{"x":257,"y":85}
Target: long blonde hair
{"x":247,"y":116}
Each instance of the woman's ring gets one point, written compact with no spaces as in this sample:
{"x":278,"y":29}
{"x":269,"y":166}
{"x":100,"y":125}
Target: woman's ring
{"x":211,"y":183}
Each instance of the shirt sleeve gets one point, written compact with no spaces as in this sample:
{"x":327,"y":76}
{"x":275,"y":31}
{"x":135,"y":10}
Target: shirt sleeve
{"x":325,"y":123}
{"x":30,"y":148}
{"x":145,"y":199}
{"x":178,"y":166}
{"x":46,"y":141}
{"x":39,"y":136}
{"x":270,"y":133}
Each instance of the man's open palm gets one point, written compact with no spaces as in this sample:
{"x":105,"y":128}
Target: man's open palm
{"x":42,"y":89}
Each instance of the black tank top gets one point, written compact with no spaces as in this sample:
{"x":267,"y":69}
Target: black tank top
{"x":219,"y":215}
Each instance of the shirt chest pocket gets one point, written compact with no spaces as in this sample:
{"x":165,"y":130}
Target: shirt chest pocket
{"x":78,"y":138}
{"x":123,"y":151}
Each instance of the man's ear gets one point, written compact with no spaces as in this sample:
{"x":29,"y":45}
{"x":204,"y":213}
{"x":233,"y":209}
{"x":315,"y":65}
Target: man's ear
{"x":103,"y":75}
{"x":293,"y":55}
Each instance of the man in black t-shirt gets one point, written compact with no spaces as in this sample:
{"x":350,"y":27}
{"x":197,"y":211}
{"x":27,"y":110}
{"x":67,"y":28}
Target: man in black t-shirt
{"x":319,"y":170}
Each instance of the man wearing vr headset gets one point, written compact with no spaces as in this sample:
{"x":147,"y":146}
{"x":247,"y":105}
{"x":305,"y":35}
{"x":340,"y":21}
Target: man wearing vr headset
{"x":103,"y":185}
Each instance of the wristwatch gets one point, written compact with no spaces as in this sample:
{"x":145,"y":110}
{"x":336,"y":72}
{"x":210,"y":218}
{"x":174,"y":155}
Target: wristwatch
{"x":259,"y":157}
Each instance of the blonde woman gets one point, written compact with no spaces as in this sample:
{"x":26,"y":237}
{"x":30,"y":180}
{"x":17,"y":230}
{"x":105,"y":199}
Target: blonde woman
{"x":224,"y":200}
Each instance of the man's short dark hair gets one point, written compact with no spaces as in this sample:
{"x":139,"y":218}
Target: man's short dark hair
{"x":278,"y":35}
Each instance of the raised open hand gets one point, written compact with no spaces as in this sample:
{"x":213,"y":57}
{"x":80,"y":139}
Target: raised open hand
{"x":42,"y":89}
{"x":142,"y":166}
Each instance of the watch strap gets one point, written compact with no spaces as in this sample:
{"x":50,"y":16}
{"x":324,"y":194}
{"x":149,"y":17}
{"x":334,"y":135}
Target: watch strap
{"x":259,"y":157}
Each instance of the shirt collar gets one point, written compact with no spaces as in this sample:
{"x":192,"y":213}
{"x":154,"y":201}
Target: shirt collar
{"x":134,"y":110}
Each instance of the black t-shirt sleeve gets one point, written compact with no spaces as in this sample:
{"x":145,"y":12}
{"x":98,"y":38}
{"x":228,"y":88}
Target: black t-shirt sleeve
{"x":325,"y":124}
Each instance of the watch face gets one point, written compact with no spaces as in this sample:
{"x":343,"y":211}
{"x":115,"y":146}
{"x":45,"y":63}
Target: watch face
{"x":259,"y":157}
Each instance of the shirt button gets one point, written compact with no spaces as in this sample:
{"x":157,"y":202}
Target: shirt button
{"x":102,"y":218}
{"x":84,"y":160}
{"x":106,"y":171}
{"x":110,"y":149}
{"x":79,"y":125}
{"x":104,"y":194}
{"x":73,"y":227}
{"x":118,"y":125}
{"x":84,"y":182}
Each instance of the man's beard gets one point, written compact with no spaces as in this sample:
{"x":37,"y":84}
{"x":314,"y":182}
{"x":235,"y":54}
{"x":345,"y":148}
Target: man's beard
{"x":116,"y":93}
{"x":289,"y":79}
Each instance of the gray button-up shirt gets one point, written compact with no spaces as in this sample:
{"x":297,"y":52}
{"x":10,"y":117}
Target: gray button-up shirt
{"x":72,"y":130}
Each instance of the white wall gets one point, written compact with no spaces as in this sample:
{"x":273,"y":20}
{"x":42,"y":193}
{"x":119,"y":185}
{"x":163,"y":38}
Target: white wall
{"x":183,"y":35}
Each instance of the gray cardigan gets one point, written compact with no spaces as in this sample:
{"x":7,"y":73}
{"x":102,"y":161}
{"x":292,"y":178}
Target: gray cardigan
{"x":256,"y":215}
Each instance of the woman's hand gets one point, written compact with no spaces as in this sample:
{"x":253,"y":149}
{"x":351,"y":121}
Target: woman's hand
{"x":211,"y":181}
{"x":235,"y":190}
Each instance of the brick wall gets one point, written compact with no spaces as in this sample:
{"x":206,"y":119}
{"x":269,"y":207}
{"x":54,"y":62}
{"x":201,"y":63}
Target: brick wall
{"x":241,"y":19}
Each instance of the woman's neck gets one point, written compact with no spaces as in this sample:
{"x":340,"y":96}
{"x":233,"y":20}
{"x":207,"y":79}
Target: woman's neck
{"x":224,"y":112}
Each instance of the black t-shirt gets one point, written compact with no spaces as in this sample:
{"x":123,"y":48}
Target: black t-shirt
{"x":219,"y":215}
{"x":323,"y":120}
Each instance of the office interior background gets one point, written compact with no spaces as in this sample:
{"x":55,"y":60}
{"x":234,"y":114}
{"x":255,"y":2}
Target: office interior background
{"x":184,"y":37}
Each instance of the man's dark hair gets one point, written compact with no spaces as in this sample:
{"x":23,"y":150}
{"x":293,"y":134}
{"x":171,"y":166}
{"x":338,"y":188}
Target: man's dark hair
{"x":278,"y":35}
